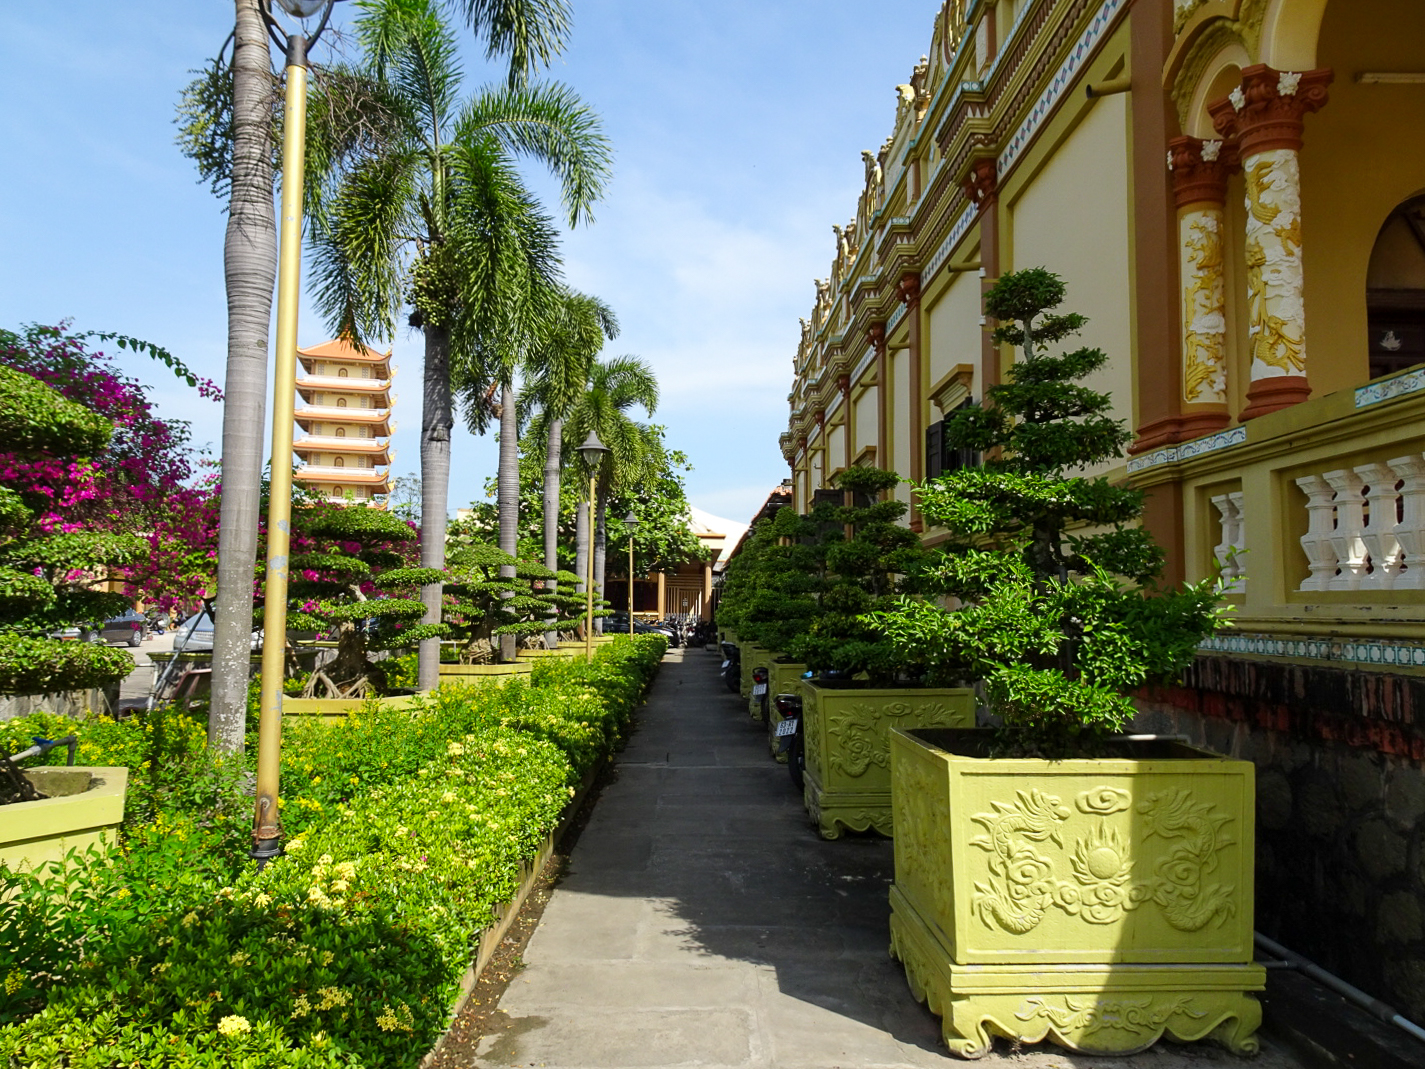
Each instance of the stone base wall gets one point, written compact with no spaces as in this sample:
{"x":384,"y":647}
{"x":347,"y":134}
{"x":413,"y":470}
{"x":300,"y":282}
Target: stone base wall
{"x":71,"y":703}
{"x":1340,"y":806}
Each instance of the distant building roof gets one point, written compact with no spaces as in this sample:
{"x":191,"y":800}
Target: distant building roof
{"x":337,"y":349}
{"x":779,"y":498}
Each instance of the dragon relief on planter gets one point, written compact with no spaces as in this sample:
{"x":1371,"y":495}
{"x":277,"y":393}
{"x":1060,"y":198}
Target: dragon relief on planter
{"x":861,"y":736}
{"x":1145,"y":1016}
{"x":1022,"y":884}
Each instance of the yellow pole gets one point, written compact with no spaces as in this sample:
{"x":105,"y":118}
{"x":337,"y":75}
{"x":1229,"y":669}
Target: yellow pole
{"x":589,"y":586}
{"x":630,"y":584}
{"x":267,"y":825}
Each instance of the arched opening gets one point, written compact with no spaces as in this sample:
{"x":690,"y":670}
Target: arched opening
{"x":341,"y":432}
{"x":341,"y":373}
{"x":341,"y":402}
{"x":339,"y":462}
{"x":1395,"y":291}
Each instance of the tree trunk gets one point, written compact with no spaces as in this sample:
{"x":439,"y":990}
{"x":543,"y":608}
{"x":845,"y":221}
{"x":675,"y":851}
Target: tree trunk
{"x":553,"y":456}
{"x":508,"y":490}
{"x":436,"y":419}
{"x":601,"y":539}
{"x":249,"y":275}
{"x":581,"y":550}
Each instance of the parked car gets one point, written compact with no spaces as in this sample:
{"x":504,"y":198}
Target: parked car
{"x":128,"y":627}
{"x":196,"y":633}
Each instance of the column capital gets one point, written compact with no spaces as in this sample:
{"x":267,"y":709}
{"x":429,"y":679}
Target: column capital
{"x":876,"y":335}
{"x":843,"y":384}
{"x":982,"y":183}
{"x":820,"y":418}
{"x":1200,"y":169}
{"x":908,"y":289}
{"x":1266,"y":111}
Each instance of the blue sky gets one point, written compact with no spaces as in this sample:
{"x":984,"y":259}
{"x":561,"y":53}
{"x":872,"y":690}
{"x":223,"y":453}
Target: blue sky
{"x":738,"y":128}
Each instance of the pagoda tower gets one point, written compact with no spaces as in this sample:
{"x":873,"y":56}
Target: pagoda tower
{"x":344,"y":412}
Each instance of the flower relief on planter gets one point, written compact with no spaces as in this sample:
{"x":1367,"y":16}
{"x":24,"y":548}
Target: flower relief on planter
{"x":1024,"y":884}
{"x":1050,"y":839}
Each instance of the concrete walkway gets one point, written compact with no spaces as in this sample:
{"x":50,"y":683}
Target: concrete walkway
{"x":703,"y":922}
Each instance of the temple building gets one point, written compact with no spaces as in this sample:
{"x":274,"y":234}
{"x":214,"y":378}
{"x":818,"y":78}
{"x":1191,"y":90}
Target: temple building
{"x":1234,"y":194}
{"x":344,"y":412}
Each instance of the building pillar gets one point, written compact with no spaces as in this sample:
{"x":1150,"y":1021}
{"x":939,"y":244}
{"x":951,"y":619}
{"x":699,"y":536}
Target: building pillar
{"x":877,"y":337}
{"x":909,"y":291}
{"x":848,"y":422}
{"x":662,"y":595}
{"x":1200,"y":170}
{"x":707,"y":590}
{"x":1265,"y":115}
{"x":982,"y":188}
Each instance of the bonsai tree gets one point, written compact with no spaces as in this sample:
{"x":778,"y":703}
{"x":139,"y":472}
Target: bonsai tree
{"x":52,"y":571}
{"x":1048,"y":578}
{"x":769,"y":592}
{"x":352,"y":579}
{"x":867,"y":559}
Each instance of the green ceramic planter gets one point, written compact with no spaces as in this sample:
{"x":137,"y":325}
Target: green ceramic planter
{"x":1096,"y":903}
{"x":847,"y":786}
{"x":783,"y":678}
{"x":753,"y":656}
{"x":85,"y":808}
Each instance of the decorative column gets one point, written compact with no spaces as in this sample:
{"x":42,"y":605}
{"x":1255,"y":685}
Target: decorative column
{"x":876,"y":335}
{"x":662,"y":596}
{"x":1199,"y":172}
{"x":909,"y":291}
{"x":706,"y":613}
{"x":982,"y":189}
{"x":1265,"y":115}
{"x":848,"y":422}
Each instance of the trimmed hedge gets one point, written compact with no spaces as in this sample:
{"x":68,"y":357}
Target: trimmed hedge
{"x":405,"y":829}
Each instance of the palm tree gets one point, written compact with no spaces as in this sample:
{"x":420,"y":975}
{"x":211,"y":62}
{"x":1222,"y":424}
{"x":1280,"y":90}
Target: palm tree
{"x":433,"y":210}
{"x":615,"y":387}
{"x":559,"y":367}
{"x":232,"y":140}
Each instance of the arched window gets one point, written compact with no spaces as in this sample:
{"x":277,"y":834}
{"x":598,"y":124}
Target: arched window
{"x":1395,"y":291}
{"x":339,"y":462}
{"x":341,"y":402}
{"x":341,"y":373}
{"x":341,"y":432}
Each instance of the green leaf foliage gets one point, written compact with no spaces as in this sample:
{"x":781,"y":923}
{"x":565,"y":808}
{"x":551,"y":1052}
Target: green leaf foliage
{"x":1046,"y":577}
{"x":35,"y":418}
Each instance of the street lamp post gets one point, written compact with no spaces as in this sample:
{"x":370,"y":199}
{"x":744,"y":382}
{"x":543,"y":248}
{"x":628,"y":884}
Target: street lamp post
{"x":593,"y":452}
{"x":630,"y":521}
{"x":267,"y":826}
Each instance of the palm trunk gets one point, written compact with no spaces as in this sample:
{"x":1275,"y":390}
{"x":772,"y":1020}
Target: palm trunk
{"x":601,"y":539}
{"x":249,"y":275}
{"x":553,"y":455}
{"x":509,"y":499}
{"x":581,"y":548}
{"x":436,"y":419}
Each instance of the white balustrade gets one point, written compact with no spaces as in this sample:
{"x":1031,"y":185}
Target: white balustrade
{"x":1232,"y":578}
{"x":1366,"y":526}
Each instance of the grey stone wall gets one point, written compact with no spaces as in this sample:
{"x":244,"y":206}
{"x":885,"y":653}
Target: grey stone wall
{"x":71,"y":703}
{"x":1340,"y":817}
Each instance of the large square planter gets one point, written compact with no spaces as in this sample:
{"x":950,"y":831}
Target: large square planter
{"x":334,"y":709}
{"x":85,"y":808}
{"x":460,"y":673}
{"x":752,"y":656}
{"x":783,"y":678}
{"x":847,"y":786}
{"x":1096,"y":903}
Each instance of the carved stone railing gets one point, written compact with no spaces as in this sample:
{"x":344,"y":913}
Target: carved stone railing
{"x":1366,"y":526}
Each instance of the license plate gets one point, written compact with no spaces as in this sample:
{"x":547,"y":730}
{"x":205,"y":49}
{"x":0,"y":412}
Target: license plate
{"x":759,"y":689}
{"x":787,"y":727}
{"x":725,"y":664}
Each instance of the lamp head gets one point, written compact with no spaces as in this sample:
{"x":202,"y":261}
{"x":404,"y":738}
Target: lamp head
{"x":630,"y":521}
{"x":593,"y":450}
{"x":302,"y":9}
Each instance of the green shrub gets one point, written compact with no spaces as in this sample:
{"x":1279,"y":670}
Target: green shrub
{"x":405,"y":829}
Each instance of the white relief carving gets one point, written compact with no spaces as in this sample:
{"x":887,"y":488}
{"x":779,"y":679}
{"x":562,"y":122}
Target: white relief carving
{"x":1204,"y":307}
{"x":1276,"y":311}
{"x":1287,"y":83}
{"x":1211,"y":150}
{"x":1238,"y":98}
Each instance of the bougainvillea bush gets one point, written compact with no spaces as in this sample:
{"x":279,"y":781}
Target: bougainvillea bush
{"x":404,"y":829}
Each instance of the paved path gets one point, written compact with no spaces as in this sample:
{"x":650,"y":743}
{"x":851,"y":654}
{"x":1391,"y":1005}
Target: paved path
{"x":704,"y":923}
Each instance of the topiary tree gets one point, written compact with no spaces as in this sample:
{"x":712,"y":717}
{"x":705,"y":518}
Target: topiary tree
{"x":769,"y":593}
{"x":52,"y":572}
{"x":1047,"y":579}
{"x":867,"y":559}
{"x":352,"y":579}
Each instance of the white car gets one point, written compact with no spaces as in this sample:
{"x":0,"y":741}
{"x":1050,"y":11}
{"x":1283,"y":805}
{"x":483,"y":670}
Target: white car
{"x":196,"y":634}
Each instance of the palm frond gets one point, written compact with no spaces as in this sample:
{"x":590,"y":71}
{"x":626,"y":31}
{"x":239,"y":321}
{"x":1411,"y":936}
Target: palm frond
{"x":530,"y":32}
{"x":548,"y":123}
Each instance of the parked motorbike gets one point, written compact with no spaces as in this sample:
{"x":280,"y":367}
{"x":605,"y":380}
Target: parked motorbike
{"x":732,"y":667}
{"x":760,"y":675}
{"x":791,"y":739}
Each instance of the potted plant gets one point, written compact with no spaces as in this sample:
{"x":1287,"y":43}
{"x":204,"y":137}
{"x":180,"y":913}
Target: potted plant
{"x":1054,"y":878}
{"x":863,"y":684}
